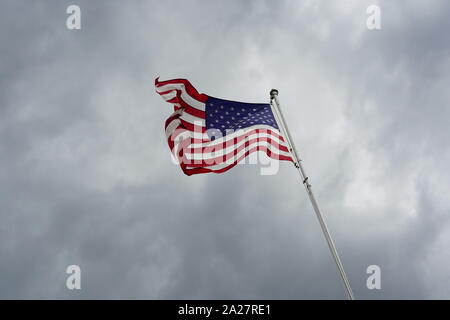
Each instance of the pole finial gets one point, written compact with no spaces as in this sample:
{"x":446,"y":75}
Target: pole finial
{"x":273,"y":93}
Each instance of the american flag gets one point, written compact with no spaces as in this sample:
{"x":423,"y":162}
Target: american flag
{"x":207,"y":134}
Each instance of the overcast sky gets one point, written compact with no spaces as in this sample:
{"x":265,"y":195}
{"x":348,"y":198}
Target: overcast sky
{"x":86,"y":176}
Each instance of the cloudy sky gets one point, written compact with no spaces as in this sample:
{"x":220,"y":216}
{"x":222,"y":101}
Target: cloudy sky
{"x":86,"y":176}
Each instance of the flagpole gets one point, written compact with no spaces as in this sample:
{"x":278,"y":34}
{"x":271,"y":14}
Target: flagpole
{"x":297,"y":163}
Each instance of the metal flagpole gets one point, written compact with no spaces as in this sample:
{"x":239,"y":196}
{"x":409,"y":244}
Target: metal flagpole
{"x":297,"y":162}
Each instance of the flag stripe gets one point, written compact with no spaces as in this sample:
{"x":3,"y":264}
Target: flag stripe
{"x":213,"y":158}
{"x":230,"y":146}
{"x":176,"y":99}
{"x":258,"y":129}
{"x":224,"y":166}
{"x":184,"y":90}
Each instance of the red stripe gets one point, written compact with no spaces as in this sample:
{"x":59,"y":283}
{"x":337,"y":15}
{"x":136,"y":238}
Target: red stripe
{"x":238,"y":139}
{"x":180,"y":155}
{"x":191,"y":127}
{"x":197,"y":140}
{"x":191,"y":171}
{"x":247,"y":133}
{"x":184,"y":144}
{"x":173,"y":137}
{"x":170,"y":119}
{"x":187,"y":125}
{"x":187,"y":107}
{"x":187,"y":85}
{"x":219,"y":159}
{"x":188,"y":141}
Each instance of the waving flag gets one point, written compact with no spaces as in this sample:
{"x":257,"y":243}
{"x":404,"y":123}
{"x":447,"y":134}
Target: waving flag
{"x":207,"y":134}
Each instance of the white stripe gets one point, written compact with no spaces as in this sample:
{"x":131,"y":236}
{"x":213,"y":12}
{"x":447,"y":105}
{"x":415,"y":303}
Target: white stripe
{"x":231,"y":147}
{"x":219,"y":153}
{"x":182,"y":135}
{"x":238,"y":133}
{"x":249,"y":137}
{"x":199,"y":135}
{"x":184,"y":95}
{"x":192,"y":119}
{"x":172,"y":126}
{"x":169,"y":95}
{"x":229,"y":162}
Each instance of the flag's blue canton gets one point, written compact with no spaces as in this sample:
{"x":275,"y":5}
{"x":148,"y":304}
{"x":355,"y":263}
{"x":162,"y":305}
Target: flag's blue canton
{"x":223,"y":115}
